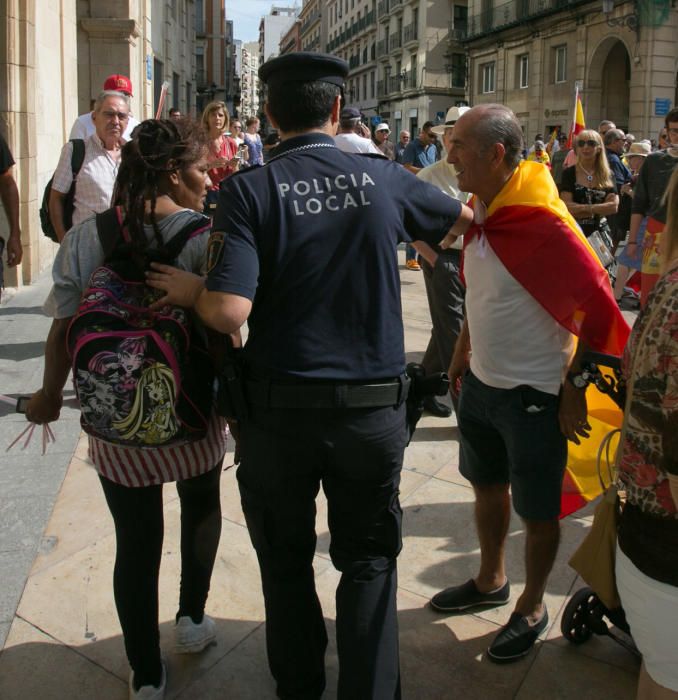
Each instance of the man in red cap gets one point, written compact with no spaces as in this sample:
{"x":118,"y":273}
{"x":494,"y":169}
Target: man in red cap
{"x":83,"y":127}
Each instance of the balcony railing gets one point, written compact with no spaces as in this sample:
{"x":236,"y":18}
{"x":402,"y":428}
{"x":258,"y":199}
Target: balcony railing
{"x":381,"y":89}
{"x":458,"y":31}
{"x":382,"y":49}
{"x":395,"y":5}
{"x":382,"y":8}
{"x":353,"y":62}
{"x":394,"y":83}
{"x":395,"y":41}
{"x":410,"y":33}
{"x":308,"y":21}
{"x":513,"y":13}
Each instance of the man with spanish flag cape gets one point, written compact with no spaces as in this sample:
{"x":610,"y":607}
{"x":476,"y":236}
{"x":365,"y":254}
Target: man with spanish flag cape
{"x":533,"y":284}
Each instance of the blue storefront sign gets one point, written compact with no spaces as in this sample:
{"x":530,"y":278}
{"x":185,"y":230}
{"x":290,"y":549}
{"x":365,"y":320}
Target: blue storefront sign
{"x":662,"y":106}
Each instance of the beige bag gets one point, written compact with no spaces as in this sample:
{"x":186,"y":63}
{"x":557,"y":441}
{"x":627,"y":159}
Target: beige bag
{"x":594,"y":561}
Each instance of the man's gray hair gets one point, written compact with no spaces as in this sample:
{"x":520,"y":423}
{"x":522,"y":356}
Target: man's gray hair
{"x":109,"y":93}
{"x":498,"y":124}
{"x":612,"y":135}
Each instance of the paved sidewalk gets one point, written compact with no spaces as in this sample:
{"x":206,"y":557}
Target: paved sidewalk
{"x":65,"y":641}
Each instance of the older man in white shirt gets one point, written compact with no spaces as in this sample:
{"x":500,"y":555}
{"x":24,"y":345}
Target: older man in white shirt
{"x":444,"y":288}
{"x":95,"y":180}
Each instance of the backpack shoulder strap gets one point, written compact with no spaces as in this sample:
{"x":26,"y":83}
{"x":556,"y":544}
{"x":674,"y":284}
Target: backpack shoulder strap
{"x":109,"y":229}
{"x":195,"y":227}
{"x":78,"y":156}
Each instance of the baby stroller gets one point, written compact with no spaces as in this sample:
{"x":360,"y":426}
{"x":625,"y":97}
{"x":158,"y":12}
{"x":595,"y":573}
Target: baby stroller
{"x":588,"y":474}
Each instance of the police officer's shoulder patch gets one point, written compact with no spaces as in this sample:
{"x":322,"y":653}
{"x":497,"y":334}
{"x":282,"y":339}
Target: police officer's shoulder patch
{"x":215,"y":249}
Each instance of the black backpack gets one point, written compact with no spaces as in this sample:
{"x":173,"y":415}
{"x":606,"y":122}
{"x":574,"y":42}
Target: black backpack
{"x":77,"y":157}
{"x":143,"y":378}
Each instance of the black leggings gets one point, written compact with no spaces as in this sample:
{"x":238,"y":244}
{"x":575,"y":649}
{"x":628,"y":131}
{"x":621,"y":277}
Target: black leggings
{"x":139,"y":527}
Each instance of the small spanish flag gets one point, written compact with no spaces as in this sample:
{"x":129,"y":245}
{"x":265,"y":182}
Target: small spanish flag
{"x":577,"y":121}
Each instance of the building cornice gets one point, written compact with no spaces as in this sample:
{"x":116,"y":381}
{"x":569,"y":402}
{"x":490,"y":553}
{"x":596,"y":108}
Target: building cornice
{"x":111,"y":28}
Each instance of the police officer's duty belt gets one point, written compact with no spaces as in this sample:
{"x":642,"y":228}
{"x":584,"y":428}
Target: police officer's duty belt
{"x":373,"y":395}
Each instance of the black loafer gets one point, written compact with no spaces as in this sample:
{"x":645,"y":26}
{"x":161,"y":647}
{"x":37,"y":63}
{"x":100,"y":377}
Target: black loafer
{"x":516,"y":638}
{"x":467,"y":595}
{"x":436,"y":408}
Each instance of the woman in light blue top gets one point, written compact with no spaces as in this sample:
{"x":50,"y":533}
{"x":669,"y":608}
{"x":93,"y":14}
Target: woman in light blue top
{"x":253,"y":140}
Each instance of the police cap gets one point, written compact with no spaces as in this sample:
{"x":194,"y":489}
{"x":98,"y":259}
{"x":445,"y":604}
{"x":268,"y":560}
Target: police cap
{"x":304,"y":67}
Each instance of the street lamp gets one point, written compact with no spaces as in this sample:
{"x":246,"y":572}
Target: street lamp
{"x":631,"y":20}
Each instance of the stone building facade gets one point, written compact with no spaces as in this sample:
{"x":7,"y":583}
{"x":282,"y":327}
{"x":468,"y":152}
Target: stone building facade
{"x":421,"y":60}
{"x":249,"y":81}
{"x":531,"y":54}
{"x":352,"y":34}
{"x":313,"y":30}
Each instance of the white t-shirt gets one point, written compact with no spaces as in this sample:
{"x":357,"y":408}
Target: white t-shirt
{"x":443,"y":175}
{"x":83,"y":127}
{"x":352,"y":143}
{"x":514,"y":340}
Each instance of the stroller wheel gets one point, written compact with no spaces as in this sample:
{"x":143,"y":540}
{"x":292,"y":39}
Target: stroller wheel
{"x":575,"y":621}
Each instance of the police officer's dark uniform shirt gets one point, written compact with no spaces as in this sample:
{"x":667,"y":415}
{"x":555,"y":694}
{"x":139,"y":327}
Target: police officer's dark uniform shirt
{"x":311,"y":239}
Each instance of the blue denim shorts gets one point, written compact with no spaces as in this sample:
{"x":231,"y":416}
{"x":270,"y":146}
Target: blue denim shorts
{"x":512,"y":436}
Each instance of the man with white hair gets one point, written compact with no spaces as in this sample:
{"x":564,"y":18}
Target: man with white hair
{"x":83,"y":126}
{"x":96,"y":178}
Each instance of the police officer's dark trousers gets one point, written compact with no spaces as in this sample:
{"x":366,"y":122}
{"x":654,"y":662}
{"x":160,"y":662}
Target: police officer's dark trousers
{"x":356,"y":454}
{"x":445,"y":293}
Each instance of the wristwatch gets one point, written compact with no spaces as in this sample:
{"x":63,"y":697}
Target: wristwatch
{"x":577,"y":380}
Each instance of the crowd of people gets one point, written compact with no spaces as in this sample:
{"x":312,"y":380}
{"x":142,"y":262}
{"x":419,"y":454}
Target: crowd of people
{"x":303,"y":250}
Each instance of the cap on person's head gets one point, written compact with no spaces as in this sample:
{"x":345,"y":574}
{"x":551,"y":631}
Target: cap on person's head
{"x":119,"y":83}
{"x":539,"y":146}
{"x":640,"y":148}
{"x":349,"y":113}
{"x":304,"y":67}
{"x":382,"y":127}
{"x":453,"y":114}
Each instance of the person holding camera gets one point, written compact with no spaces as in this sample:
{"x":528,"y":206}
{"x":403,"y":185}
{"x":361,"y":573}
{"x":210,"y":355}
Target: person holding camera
{"x":352,"y":135}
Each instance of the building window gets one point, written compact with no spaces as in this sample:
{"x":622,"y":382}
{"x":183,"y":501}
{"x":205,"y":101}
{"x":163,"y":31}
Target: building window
{"x":373,"y":91}
{"x":561,"y":63}
{"x":364,"y":86}
{"x":458,"y":70}
{"x":523,"y":70}
{"x":487,"y":75}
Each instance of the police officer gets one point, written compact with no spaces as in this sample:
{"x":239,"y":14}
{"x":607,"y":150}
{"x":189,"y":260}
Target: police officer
{"x":305,"y":248}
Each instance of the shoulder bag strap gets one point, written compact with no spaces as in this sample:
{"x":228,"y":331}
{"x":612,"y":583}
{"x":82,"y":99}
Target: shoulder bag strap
{"x":77,"y":156}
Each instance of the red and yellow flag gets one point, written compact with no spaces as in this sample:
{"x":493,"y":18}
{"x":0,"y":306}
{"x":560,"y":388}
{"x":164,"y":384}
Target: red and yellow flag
{"x":577,"y":121}
{"x":531,"y":231}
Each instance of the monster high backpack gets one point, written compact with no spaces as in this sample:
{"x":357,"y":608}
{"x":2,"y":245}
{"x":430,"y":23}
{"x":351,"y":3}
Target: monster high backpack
{"x":143,"y":377}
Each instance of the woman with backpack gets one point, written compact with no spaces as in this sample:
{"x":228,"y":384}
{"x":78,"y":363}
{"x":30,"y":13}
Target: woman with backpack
{"x":133,"y":403}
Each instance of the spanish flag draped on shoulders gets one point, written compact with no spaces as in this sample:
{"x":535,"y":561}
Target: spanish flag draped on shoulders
{"x":534,"y":236}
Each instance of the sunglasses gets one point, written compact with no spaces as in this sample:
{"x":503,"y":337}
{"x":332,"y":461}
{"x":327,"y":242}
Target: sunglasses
{"x":590,"y":142}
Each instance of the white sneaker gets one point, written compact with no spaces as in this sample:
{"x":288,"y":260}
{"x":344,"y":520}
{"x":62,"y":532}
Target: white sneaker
{"x":148,"y":692}
{"x":190,"y":638}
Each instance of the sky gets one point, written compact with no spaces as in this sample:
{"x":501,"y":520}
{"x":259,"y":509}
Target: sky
{"x":246,"y":15}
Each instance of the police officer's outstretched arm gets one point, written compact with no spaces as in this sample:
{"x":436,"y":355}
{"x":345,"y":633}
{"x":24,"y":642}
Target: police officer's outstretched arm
{"x":222,"y":311}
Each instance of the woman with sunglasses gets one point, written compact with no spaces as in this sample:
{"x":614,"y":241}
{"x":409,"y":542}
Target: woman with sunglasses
{"x":588,"y":188}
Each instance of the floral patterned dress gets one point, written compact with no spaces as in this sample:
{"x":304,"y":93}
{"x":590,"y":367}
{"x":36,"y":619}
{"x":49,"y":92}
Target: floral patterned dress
{"x":649,"y":452}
